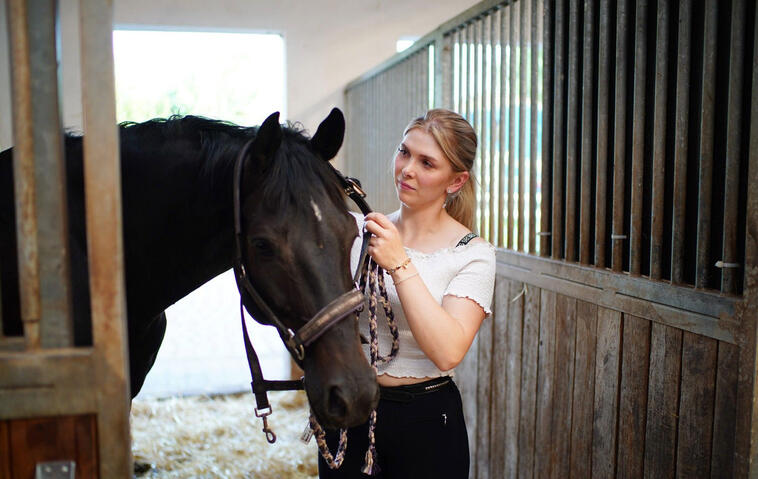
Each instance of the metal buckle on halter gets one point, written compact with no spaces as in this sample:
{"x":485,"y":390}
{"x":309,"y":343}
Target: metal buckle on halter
{"x":297,"y":349}
{"x":270,"y":436}
{"x":354,"y":186}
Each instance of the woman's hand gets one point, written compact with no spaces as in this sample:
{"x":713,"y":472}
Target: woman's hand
{"x":385,"y":245}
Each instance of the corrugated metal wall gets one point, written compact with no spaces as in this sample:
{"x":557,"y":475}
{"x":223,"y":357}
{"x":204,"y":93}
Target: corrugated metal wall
{"x":379,"y":108}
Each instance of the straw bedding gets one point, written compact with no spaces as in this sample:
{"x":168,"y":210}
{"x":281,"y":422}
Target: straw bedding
{"x":220,"y":437}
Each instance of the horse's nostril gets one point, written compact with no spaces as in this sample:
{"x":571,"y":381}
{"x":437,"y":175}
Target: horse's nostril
{"x":337,"y":403}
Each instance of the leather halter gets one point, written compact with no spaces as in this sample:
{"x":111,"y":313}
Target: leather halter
{"x":295,"y":341}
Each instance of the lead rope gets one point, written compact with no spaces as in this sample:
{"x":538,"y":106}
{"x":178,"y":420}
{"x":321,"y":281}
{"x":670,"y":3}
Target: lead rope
{"x":372,"y":279}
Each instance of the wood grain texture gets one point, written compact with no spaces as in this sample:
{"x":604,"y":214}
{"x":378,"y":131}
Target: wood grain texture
{"x":565,"y":337}
{"x":633,"y":397}
{"x":466,"y":377}
{"x":40,"y":440}
{"x":501,"y":406}
{"x":5,"y":450}
{"x":663,"y":401}
{"x":529,"y":361}
{"x":481,"y":461}
{"x":699,"y":359}
{"x":584,"y":390}
{"x":545,"y":371}
{"x":725,"y":412}
{"x":513,"y":386}
{"x":607,"y":374}
{"x":85,"y":430}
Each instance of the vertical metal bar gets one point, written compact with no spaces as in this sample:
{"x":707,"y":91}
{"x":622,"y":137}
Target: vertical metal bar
{"x":638,"y":136}
{"x":479,"y":106}
{"x":522,"y":125}
{"x":702,"y":263}
{"x":659,"y":139}
{"x":559,"y":128}
{"x":535,"y":102}
{"x":420,"y":63}
{"x":572,"y":130}
{"x":408,"y":74}
{"x":372,"y":132}
{"x":443,"y":77}
{"x":478,"y":44}
{"x":376,"y":138}
{"x":734,"y":124}
{"x":588,"y":86}
{"x":463,"y":72}
{"x":601,"y":175}
{"x":619,"y":137}
{"x":513,"y":148}
{"x":681,"y":140}
{"x":472,"y":74}
{"x":379,"y":134}
{"x":486,"y":140}
{"x":23,"y":173}
{"x":104,"y":238}
{"x":376,"y":129}
{"x":504,"y":152}
{"x":547,"y":123}
{"x":423,"y":63}
{"x":494,"y":127}
{"x":457,"y":52}
{"x":390,"y":81}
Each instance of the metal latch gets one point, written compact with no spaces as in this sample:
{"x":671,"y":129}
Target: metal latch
{"x":55,"y":470}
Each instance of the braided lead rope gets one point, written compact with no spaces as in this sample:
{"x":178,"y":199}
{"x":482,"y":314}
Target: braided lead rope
{"x":384,"y":298}
{"x":372,"y":278}
{"x":332,"y":461}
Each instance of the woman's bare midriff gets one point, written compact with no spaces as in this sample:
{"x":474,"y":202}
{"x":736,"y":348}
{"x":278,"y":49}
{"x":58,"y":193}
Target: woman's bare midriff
{"x":389,"y":381}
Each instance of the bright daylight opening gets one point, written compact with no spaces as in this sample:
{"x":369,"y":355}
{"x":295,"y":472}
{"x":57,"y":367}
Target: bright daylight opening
{"x":404,"y":43}
{"x":237,"y":77}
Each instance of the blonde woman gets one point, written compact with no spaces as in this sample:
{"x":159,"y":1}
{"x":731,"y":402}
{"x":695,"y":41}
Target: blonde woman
{"x":440,"y":281}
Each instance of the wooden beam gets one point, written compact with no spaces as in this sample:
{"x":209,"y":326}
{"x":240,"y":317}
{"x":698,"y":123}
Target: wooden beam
{"x":102,"y":181}
{"x":685,"y":308}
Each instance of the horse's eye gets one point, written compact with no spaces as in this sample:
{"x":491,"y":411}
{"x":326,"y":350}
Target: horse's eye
{"x":262,"y":247}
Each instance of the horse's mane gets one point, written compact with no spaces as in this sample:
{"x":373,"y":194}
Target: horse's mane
{"x":293,"y":178}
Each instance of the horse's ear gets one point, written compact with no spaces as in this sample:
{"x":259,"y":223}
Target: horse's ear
{"x":266,"y":142}
{"x":328,"y":138}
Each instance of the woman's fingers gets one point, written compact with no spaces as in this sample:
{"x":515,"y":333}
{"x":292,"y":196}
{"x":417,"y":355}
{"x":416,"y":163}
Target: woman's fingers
{"x":380,"y":219}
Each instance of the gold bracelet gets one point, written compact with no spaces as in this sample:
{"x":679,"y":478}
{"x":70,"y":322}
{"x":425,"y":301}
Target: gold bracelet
{"x":406,"y":278}
{"x":402,"y":265}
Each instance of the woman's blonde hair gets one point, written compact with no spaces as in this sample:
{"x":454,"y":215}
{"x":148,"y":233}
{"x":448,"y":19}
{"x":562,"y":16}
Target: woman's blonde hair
{"x":457,"y":140}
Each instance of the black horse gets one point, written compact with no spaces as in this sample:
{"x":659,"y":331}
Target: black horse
{"x":178,"y":226}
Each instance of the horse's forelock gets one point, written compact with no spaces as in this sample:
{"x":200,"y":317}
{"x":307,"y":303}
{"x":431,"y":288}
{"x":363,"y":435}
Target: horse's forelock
{"x":297,"y":175}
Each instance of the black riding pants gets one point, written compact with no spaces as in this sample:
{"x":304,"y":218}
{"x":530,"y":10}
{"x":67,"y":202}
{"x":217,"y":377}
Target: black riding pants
{"x":415,"y":438}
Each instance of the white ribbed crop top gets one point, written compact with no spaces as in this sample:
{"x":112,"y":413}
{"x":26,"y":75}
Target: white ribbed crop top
{"x":467,"y":271}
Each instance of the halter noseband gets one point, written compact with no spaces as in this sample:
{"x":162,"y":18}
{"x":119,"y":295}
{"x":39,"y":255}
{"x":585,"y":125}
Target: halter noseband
{"x":295,"y":341}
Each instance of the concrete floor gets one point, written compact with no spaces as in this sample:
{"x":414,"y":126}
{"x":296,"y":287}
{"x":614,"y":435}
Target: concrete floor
{"x":203,"y":351}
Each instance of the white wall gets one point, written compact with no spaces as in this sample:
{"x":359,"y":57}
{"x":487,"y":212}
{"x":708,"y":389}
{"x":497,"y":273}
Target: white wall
{"x":328,"y":42}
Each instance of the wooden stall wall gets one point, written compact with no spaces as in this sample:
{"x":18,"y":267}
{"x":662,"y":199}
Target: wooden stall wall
{"x":60,"y":402}
{"x":571,"y":388}
{"x":618,"y":149}
{"x":623,"y":342}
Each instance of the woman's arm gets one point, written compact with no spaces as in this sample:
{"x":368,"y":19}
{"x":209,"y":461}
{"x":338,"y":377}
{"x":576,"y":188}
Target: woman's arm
{"x":444,"y":332}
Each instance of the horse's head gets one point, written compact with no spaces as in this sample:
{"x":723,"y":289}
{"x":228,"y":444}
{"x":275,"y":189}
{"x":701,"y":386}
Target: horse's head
{"x":297,"y":236}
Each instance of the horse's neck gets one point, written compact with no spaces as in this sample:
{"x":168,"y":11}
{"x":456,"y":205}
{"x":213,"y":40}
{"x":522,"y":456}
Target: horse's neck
{"x":178,"y":228}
